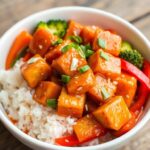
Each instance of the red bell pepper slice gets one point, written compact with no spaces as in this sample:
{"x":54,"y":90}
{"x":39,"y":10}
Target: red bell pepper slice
{"x":27,"y":56}
{"x":138,"y":74}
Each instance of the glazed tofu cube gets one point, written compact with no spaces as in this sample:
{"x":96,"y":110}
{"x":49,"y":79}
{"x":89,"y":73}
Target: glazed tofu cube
{"x":88,"y":34}
{"x":71,"y":105}
{"x":73,"y":29}
{"x":101,"y":82}
{"x":35,"y":70}
{"x":69,"y":62}
{"x":107,"y":41}
{"x":88,"y":128}
{"x":46,"y":90}
{"x":105,"y":63}
{"x":114,"y":114}
{"x":126,"y":87}
{"x":81,"y":83}
{"x":42,"y":40}
{"x":56,"y":52}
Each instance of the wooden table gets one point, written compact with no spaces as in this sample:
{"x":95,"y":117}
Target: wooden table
{"x":135,"y":11}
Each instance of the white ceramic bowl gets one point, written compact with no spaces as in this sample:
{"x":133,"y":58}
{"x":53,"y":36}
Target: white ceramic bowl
{"x":85,"y":16}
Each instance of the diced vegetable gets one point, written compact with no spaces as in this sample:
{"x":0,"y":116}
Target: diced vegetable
{"x":138,"y":74}
{"x":41,"y":42}
{"x":42,"y":25}
{"x":64,"y":62}
{"x":57,"y":27}
{"x":104,"y":55}
{"x":131,"y":55}
{"x":81,"y":83}
{"x":71,"y":105}
{"x":84,"y":69}
{"x":65,"y":78}
{"x":108,"y":41}
{"x":27,"y":56}
{"x":52,"y":103}
{"x":74,"y":28}
{"x":110,"y":67}
{"x":88,"y":34}
{"x":56,"y":52}
{"x":76,"y":39}
{"x":21,"y":42}
{"x":114,"y":114}
{"x":35,"y":70}
{"x":97,"y":94}
{"x":126,"y":87}
{"x":88,"y":53}
{"x":59,"y":41}
{"x":87,"y":128}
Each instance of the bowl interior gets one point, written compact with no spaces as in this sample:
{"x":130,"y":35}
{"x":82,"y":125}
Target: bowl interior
{"x":82,"y":15}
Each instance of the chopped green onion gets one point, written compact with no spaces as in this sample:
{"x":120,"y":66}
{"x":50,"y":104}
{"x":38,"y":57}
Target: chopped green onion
{"x":104,"y":55}
{"x":59,"y":41}
{"x":84,"y":68}
{"x":66,"y":48}
{"x":80,"y":51}
{"x":76,"y":39}
{"x":52,"y":103}
{"x":101,"y":43}
{"x":32,"y":60}
{"x":65,"y":78}
{"x":74,"y":64}
{"x":105,"y":94}
{"x":88,"y":53}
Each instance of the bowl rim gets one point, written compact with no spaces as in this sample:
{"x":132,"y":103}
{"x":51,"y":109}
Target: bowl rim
{"x":11,"y":127}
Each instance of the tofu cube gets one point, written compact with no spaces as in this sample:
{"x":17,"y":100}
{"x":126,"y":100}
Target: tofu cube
{"x":114,"y":114}
{"x":95,"y":93}
{"x":71,"y":105}
{"x":108,"y":41}
{"x":35,"y":70}
{"x":81,"y":83}
{"x":88,"y":128}
{"x":46,"y":90}
{"x":69,"y":62}
{"x":126,"y":87}
{"x":41,"y":41}
{"x":109,"y":66}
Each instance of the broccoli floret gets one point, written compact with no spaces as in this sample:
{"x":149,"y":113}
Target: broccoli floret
{"x":42,"y":24}
{"x":131,"y":55}
{"x":57,"y":27}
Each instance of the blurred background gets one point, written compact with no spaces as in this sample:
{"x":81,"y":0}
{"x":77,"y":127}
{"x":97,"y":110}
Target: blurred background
{"x":135,"y":11}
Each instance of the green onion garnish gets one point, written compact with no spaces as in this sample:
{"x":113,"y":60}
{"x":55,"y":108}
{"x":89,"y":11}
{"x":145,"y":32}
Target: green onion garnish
{"x":88,"y":53}
{"x":76,"y":39}
{"x":101,"y":43}
{"x":65,"y":78}
{"x":104,"y":92}
{"x":66,"y":48}
{"x":51,"y":103}
{"x":59,"y":41}
{"x":84,"y":68}
{"x":104,"y":55}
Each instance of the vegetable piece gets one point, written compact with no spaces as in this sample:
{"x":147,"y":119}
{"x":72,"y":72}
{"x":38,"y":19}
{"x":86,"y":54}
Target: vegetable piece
{"x":42,"y":25}
{"x":105,"y":94}
{"x":76,"y":39}
{"x":143,"y":91}
{"x":131,"y":55}
{"x":56,"y":52}
{"x":81,"y":83}
{"x":74,"y":28}
{"x":57,"y":27}
{"x":126,"y":87}
{"x":95,"y":93}
{"x":46,"y":90}
{"x":70,"y":140}
{"x":138,"y":74}
{"x":88,"y":34}
{"x":52,"y":103}
{"x":84,"y":69}
{"x":59,"y":41}
{"x":87,"y":128}
{"x":108,"y":41}
{"x":27,"y":56}
{"x":21,"y":41}
{"x":35,"y":70}
{"x":110,"y":68}
{"x":63,"y":64}
{"x":65,"y":78}
{"x":104,"y":55}
{"x":114,"y":114}
{"x":71,"y":105}
{"x":88,"y":53}
{"x":42,"y":40}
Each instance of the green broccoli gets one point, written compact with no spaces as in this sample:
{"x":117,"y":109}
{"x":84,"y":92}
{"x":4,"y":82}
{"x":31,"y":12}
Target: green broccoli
{"x":42,"y":24}
{"x":57,"y":27}
{"x":131,"y":55}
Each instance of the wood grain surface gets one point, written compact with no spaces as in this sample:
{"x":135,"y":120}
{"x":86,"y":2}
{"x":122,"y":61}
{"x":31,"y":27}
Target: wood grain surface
{"x":135,"y":11}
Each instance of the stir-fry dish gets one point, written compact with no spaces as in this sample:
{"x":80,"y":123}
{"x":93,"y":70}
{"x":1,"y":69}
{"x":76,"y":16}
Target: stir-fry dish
{"x":87,"y":73}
